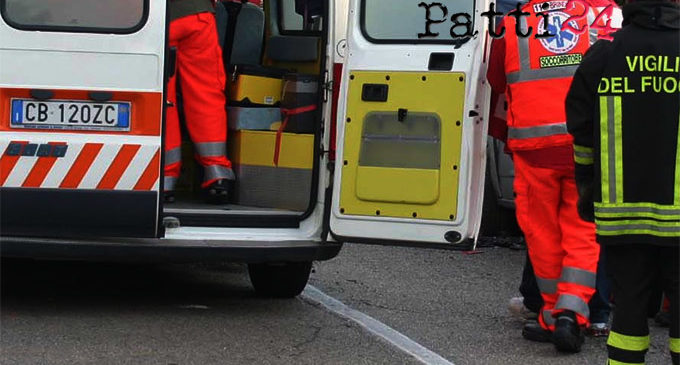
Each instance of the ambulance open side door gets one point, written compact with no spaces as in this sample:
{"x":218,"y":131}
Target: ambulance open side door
{"x":411,"y":124}
{"x":81,"y":110}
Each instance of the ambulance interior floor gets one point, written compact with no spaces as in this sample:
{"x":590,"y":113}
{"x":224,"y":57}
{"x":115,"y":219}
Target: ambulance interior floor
{"x":186,"y":204}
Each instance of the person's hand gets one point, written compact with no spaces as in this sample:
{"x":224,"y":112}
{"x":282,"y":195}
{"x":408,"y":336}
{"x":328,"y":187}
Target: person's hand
{"x":586,"y":209}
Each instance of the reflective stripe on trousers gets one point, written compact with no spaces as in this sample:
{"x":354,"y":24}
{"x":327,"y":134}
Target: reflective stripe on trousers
{"x":573,"y":303}
{"x":624,"y":349}
{"x":173,"y":156}
{"x":169,"y":183}
{"x":216,"y":172}
{"x":211,"y":149}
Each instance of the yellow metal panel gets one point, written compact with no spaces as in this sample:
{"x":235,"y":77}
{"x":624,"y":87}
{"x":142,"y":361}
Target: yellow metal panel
{"x":258,"y":89}
{"x":380,"y":184}
{"x":405,"y":192}
{"x":257,"y":148}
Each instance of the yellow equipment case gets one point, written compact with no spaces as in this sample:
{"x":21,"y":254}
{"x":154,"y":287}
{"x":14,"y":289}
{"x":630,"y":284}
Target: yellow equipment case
{"x":255,"y":85}
{"x":262,"y":182}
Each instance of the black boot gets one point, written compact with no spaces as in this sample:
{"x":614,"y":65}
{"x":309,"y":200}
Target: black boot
{"x":168,"y":197}
{"x":533,"y":331}
{"x":568,"y":335}
{"x":218,"y":192}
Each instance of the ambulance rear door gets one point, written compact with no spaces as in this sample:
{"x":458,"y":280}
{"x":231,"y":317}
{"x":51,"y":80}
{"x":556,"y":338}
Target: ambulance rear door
{"x":81,"y":110}
{"x":411,"y":128}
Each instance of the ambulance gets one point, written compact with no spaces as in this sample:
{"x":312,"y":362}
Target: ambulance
{"x":371,"y":134}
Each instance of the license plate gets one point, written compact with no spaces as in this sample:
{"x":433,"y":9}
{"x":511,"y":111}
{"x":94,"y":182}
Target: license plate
{"x":68,"y":114}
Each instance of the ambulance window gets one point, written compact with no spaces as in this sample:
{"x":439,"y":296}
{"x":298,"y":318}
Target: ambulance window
{"x":410,"y":142}
{"x":291,"y":16}
{"x":390,"y":21}
{"x":99,"y":16}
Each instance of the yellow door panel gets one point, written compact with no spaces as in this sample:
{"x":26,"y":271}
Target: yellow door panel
{"x":403,"y":134}
{"x":394,"y":185}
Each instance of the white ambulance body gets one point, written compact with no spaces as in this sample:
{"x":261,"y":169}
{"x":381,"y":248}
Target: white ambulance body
{"x":81,"y":137}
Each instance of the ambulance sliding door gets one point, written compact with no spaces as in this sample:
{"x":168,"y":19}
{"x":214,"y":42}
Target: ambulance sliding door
{"x":81,"y":105}
{"x":411,"y":128}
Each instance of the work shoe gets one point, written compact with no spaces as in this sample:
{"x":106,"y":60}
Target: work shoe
{"x":598,"y":329}
{"x":533,"y":331}
{"x":218,"y":192}
{"x":519,"y":310}
{"x":168,"y":197}
{"x":568,"y":336}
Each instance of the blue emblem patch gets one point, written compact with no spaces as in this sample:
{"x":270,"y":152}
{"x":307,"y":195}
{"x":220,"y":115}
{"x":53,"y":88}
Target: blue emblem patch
{"x":564,"y":40}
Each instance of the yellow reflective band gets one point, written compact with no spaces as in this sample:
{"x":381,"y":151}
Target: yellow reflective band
{"x":583,"y":155}
{"x":635,"y":205}
{"x":604,"y":148}
{"x":583,"y":149}
{"x":677,"y":169}
{"x":583,"y":160}
{"x":674,"y":345}
{"x":618,"y":136}
{"x":650,"y":232}
{"x":637,"y":210}
{"x":615,"y":362}
{"x":637,"y":215}
{"x":642,"y":226}
{"x":633,"y":222}
{"x":628,"y":343}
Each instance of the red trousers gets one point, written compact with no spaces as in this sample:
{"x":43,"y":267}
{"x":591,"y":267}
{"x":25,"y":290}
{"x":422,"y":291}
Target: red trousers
{"x":201,"y":74}
{"x":562,"y":246}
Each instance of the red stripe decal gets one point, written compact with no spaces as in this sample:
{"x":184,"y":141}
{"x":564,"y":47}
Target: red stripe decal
{"x":7,"y":163}
{"x":150,"y":174}
{"x":118,"y":166}
{"x":81,"y":165}
{"x":40,"y":170}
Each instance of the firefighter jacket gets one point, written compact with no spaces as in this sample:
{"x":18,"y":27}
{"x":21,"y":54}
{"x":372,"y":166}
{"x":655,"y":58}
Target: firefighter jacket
{"x":623,"y":110}
{"x":539,"y":69}
{"x":181,"y":8}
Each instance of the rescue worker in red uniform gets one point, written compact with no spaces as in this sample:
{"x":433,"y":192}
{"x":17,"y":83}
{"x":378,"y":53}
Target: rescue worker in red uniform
{"x":534,"y":70}
{"x":200,"y":70}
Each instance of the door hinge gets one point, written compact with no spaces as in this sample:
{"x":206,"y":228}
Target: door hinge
{"x":327,"y":86}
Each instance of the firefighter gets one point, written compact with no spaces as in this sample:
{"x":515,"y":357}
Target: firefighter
{"x":202,"y":79}
{"x":533,"y":65}
{"x":623,"y":111}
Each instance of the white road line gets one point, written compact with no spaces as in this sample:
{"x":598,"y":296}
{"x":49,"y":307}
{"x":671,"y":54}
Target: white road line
{"x":375,"y":327}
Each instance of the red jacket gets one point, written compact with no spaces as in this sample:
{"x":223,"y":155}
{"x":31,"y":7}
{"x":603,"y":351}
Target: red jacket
{"x":535,"y":75}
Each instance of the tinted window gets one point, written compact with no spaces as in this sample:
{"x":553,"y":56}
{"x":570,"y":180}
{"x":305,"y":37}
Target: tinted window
{"x":78,"y":15}
{"x":403,"y":20}
{"x":291,"y":18}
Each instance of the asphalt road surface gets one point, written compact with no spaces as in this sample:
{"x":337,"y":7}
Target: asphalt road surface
{"x":450,"y":303}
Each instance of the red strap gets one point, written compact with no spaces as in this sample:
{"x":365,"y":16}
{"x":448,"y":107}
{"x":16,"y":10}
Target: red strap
{"x":286,"y":115}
